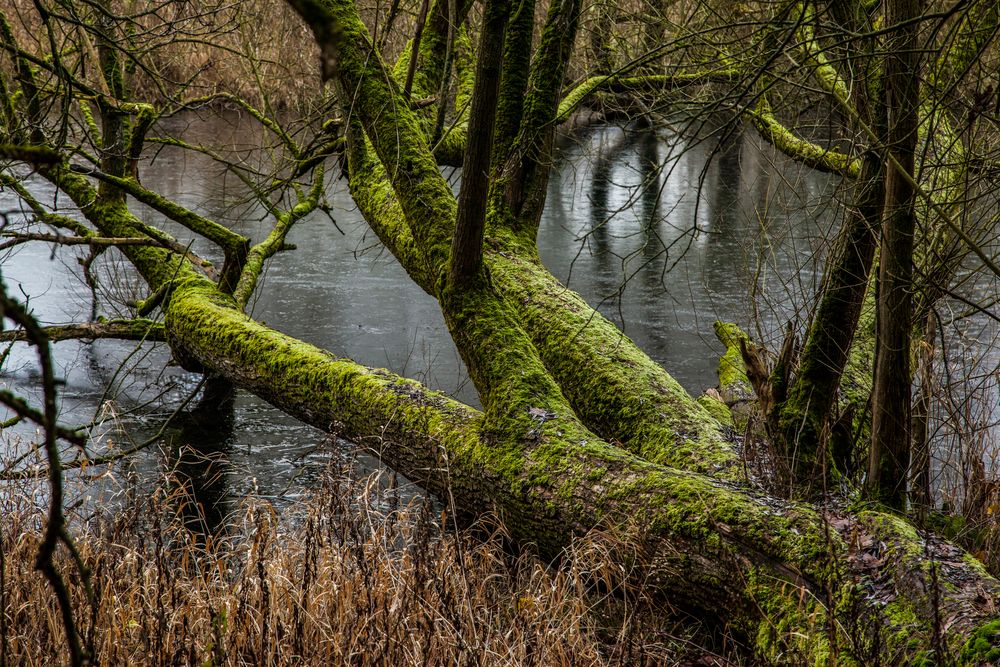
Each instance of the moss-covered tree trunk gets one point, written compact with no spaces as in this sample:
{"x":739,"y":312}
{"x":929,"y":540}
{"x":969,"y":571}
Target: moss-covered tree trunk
{"x":580,"y":433}
{"x":805,"y":584}
{"x":578,"y":423}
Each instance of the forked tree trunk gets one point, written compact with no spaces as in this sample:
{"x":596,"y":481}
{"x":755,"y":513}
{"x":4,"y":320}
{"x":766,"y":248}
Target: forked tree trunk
{"x":581,"y":433}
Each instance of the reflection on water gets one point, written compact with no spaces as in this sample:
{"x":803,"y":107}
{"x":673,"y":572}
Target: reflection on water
{"x":198,"y":458}
{"x":667,"y":235}
{"x":663,"y":234}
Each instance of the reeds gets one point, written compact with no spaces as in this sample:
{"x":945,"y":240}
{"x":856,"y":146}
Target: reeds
{"x":352,"y":576}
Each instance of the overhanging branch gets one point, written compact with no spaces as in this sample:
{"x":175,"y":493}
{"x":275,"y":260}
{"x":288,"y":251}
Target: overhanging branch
{"x":138,"y":330}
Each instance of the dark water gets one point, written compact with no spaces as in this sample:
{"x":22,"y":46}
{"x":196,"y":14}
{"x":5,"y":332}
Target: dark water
{"x":664,"y":234}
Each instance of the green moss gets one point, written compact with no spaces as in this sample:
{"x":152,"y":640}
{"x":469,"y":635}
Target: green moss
{"x":794,"y":627}
{"x":465,"y":73}
{"x":983,"y":645}
{"x":397,"y":136}
{"x":546,"y":77}
{"x":654,"y":83}
{"x":450,"y":149}
{"x":30,"y":154}
{"x":856,"y":383}
{"x":372,"y":191}
{"x":575,"y":97}
{"x":825,"y":73}
{"x":924,"y":659}
{"x":253,"y":260}
{"x":615,"y":388}
{"x":813,"y":155}
{"x":732,"y":371}
{"x":717,"y":409}
{"x":513,"y":79}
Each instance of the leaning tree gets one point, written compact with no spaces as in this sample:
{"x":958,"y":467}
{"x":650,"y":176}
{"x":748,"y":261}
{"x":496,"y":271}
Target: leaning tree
{"x":580,"y":431}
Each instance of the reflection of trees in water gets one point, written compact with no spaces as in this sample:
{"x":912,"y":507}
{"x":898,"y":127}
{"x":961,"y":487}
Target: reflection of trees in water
{"x":649,"y":230}
{"x":728,"y":228}
{"x":650,"y":165}
{"x":725,"y":196}
{"x":614,"y":221}
{"x":680,"y":225}
{"x":601,"y":210}
{"x":199,"y":460}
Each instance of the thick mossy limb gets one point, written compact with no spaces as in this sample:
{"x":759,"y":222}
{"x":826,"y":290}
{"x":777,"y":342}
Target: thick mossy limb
{"x":856,"y":383}
{"x":648,"y":410}
{"x":706,"y":545}
{"x":372,"y":191}
{"x":618,"y":391}
{"x":428,"y":73}
{"x":808,"y":153}
{"x":29,"y":154}
{"x":521,"y":398}
{"x":432,"y":48}
{"x":396,"y":134}
{"x":735,"y":390}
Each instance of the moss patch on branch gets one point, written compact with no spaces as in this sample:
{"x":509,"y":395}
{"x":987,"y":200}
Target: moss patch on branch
{"x":617,"y":390}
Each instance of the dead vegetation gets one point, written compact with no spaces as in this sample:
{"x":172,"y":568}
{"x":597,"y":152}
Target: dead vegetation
{"x":352,"y":576}
{"x":256,"y":50}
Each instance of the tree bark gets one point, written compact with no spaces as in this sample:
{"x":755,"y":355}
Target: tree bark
{"x":889,"y":461}
{"x":578,"y":425}
{"x":470,"y":224}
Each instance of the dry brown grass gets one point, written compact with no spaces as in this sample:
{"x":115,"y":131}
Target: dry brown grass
{"x":258,"y":50}
{"x":346,"y":578}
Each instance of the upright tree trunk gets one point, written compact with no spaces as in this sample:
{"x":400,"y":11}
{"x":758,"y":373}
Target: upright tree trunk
{"x":806,"y":417}
{"x":411,"y":69}
{"x":807,"y":429}
{"x":889,"y":460}
{"x":467,"y":245}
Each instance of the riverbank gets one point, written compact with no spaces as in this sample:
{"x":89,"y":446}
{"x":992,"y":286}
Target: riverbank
{"x":347,"y":577}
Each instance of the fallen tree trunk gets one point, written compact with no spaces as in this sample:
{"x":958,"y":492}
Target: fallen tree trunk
{"x":803,"y":583}
{"x":577,"y":423}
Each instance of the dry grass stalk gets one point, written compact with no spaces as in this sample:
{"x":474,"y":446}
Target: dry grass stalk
{"x":347,"y":578}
